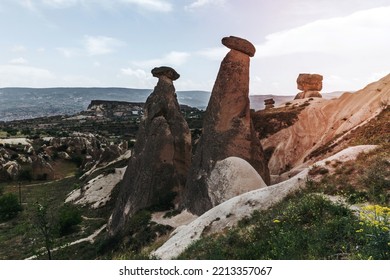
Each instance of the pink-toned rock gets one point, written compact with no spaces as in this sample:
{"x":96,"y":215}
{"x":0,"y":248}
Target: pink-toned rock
{"x":227,"y":128}
{"x":309,"y":82}
{"x":239,"y":44}
{"x":308,"y":94}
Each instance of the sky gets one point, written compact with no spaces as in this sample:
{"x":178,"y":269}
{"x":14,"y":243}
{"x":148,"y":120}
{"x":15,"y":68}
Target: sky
{"x":116,"y":43}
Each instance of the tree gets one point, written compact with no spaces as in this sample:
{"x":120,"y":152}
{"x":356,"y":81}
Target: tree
{"x":9,"y":206}
{"x":69,"y":217}
{"x":43,"y":225}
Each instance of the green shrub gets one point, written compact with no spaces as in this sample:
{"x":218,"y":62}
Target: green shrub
{"x":25,"y":175}
{"x":305,"y":227}
{"x":68,"y":218}
{"x":9,"y":206}
{"x":78,"y":160}
{"x":374,"y":232}
{"x":376,"y":180}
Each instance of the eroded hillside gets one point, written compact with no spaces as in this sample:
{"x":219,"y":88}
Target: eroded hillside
{"x":323,"y":121}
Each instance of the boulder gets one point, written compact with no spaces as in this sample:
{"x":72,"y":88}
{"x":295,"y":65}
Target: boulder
{"x":308,"y":94}
{"x":239,"y":44}
{"x":269,"y":103}
{"x":157,"y":170}
{"x":309,"y":82}
{"x":64,"y":155}
{"x":227,"y":128}
{"x":231,"y":177}
{"x":12,"y":168}
{"x":97,"y":192}
{"x":165,"y":71}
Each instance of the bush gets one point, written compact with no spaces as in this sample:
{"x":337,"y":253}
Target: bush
{"x":9,"y":207}
{"x":78,"y":160}
{"x":305,"y":227}
{"x":68,"y":218}
{"x":375,"y":232}
{"x":376,"y":180}
{"x":25,"y":175}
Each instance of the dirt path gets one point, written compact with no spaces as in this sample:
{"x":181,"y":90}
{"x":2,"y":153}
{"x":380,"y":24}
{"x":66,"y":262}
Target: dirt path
{"x":90,"y":239}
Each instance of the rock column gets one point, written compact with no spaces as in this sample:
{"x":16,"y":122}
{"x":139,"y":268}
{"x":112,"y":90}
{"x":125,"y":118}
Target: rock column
{"x":227,"y":129}
{"x":269,"y":103}
{"x":156,"y":172}
{"x":310,"y":84}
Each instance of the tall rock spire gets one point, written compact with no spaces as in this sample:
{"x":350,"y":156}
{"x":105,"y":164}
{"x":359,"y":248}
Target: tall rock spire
{"x":227,"y":129}
{"x":157,"y":170}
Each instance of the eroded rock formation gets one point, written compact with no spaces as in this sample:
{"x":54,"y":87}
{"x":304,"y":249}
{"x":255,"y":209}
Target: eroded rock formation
{"x":310,"y":84}
{"x":269,"y":103}
{"x":227,"y":129}
{"x":159,"y":165}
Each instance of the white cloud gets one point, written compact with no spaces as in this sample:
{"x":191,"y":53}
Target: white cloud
{"x":69,"y":52}
{"x":138,"y":73}
{"x":18,"y":48}
{"x":24,"y":76}
{"x":60,"y":3}
{"x":153,"y":5}
{"x":78,"y":81}
{"x":28,"y":76}
{"x":173,"y":58}
{"x":213,"y":53}
{"x":28,"y":4}
{"x":357,"y":34}
{"x":204,"y":3}
{"x":99,"y":45}
{"x":137,"y":78}
{"x":19,"y":60}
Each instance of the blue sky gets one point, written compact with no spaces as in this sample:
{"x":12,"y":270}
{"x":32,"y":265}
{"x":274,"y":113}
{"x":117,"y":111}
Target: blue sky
{"x":46,"y":43}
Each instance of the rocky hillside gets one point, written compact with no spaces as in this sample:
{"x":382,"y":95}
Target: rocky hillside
{"x":46,"y":158}
{"x":322,"y":121}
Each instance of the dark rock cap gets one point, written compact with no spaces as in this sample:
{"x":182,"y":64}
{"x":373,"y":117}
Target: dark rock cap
{"x":269,"y":101}
{"x":239,"y":44}
{"x":166,"y":71}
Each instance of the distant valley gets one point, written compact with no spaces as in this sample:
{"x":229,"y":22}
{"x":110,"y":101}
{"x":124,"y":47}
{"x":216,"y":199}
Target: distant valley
{"x":28,"y":103}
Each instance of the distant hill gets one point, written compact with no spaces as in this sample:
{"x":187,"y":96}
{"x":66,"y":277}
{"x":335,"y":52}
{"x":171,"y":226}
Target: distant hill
{"x":27,"y":103}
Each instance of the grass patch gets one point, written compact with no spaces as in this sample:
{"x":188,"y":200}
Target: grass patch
{"x":269,"y":122}
{"x":18,"y":237}
{"x":366,"y":179}
{"x":304,"y":226}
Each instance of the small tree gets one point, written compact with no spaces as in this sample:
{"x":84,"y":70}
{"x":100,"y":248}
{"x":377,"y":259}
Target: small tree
{"x":43,"y":225}
{"x":69,"y":217}
{"x":9,"y":206}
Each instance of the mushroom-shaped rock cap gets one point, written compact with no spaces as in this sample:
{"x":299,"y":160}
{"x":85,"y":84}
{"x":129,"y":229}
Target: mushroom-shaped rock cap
{"x":166,"y":71}
{"x":239,"y":44}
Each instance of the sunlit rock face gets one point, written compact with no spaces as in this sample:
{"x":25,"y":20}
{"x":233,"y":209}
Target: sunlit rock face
{"x":227,"y":129}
